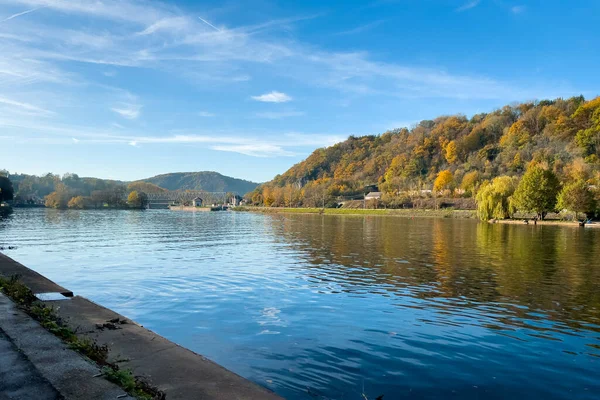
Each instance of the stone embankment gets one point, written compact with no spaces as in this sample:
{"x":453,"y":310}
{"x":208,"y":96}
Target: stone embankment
{"x":49,"y":364}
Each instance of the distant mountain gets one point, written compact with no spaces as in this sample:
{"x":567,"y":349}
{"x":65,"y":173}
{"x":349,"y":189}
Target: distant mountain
{"x":206,"y":180}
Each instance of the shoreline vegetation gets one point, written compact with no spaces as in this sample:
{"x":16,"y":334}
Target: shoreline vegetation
{"x":537,"y":157}
{"x":398,"y":212}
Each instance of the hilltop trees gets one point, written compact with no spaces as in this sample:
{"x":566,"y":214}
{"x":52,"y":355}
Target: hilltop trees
{"x":537,"y":191}
{"x":452,"y":151}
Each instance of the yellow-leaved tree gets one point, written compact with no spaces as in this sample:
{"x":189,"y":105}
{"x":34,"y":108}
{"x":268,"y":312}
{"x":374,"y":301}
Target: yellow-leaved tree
{"x":444,"y":181}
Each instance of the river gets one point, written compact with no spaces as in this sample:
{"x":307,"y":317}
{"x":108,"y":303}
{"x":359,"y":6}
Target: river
{"x":334,"y":307}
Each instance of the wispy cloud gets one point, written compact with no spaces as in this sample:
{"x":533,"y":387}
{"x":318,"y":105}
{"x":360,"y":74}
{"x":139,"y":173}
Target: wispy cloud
{"x":273,"y":97}
{"x":518,"y":9}
{"x":279,"y":115}
{"x":166,"y":24}
{"x":255,"y":149}
{"x":362,"y":28}
{"x":128,"y":110}
{"x":209,"y":24}
{"x":467,"y":6}
{"x":21,"y":13}
{"x":159,"y":37}
{"x":29,"y":108}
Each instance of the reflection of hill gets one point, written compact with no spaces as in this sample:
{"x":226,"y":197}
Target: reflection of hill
{"x":550,"y":269}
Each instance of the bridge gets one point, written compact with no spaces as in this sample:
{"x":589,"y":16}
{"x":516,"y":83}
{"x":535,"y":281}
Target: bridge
{"x":180,"y":197}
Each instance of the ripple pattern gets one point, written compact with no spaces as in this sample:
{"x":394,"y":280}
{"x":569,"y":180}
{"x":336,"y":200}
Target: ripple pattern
{"x":333,"y":307}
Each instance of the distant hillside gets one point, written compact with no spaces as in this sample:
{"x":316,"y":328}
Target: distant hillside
{"x":563,"y":135}
{"x":207,"y":180}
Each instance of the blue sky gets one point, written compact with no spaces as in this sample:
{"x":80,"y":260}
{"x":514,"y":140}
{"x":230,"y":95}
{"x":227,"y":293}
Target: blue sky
{"x":128,"y":89}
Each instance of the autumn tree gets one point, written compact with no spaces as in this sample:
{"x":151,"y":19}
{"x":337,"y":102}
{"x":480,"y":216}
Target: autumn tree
{"x":77,"y":202}
{"x":494,"y":198}
{"x":469,"y":182}
{"x":451,"y":152}
{"x":444,"y":181}
{"x":577,"y":197}
{"x":59,"y":198}
{"x":137,"y":199}
{"x":537,"y":191}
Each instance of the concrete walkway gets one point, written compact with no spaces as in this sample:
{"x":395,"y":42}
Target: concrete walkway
{"x":19,"y":380}
{"x":45,"y":362}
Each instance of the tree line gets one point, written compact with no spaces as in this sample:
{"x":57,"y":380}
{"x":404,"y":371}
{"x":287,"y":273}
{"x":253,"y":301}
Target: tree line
{"x":72,"y":191}
{"x":497,"y":158}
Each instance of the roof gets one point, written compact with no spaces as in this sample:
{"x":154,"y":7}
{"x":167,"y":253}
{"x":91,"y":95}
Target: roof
{"x":198,"y":198}
{"x":374,"y":194}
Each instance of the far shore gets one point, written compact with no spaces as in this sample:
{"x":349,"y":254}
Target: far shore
{"x":396,"y":212}
{"x":409,"y":213}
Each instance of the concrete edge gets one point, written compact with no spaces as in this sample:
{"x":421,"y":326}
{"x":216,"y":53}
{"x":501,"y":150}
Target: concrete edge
{"x":30,"y":278}
{"x":178,"y":372}
{"x":73,"y":376}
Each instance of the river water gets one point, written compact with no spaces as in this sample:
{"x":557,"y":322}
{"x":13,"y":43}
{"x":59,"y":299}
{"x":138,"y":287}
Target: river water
{"x":334,"y":307}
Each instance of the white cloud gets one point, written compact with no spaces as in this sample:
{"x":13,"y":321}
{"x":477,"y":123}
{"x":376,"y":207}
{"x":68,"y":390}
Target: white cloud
{"x":75,"y":140}
{"x":468,"y":6}
{"x":273,"y":97}
{"x":255,"y":150}
{"x":160,"y":37}
{"x":28,"y":108}
{"x":361,"y":28}
{"x":133,"y":143}
{"x":20,"y":14}
{"x":206,"y":114}
{"x":128,"y":110}
{"x":166,"y":24}
{"x":279,"y":115}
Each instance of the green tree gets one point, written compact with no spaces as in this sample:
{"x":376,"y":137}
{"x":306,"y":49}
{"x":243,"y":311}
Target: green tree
{"x":494,"y":198}
{"x":577,"y":197}
{"x":537,"y":191}
{"x":6,"y":189}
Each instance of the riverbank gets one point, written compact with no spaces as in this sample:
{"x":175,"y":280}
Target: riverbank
{"x":573,"y":224}
{"x":407,"y":213}
{"x":157,"y":362}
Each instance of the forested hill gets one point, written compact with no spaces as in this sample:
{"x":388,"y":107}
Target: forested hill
{"x":207,"y":180}
{"x":563,"y":135}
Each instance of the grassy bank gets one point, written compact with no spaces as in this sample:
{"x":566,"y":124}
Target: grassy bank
{"x":408,"y":213}
{"x":555,"y":222}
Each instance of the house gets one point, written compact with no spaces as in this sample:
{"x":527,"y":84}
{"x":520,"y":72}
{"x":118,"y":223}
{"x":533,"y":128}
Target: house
{"x":235,"y":200}
{"x":197,"y":202}
{"x":373,"y":196}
